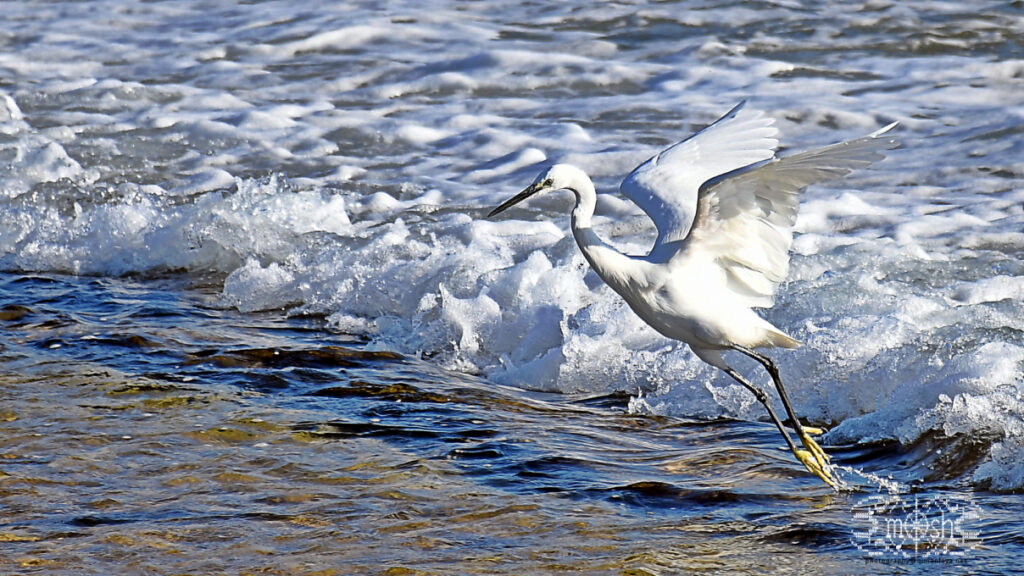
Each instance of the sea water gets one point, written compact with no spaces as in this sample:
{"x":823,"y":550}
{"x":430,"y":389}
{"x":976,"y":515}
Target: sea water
{"x":268,"y":218}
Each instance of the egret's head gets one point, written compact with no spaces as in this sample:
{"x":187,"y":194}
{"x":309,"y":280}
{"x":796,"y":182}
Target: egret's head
{"x":557,"y":177}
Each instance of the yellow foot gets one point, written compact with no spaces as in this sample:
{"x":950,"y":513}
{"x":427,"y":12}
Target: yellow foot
{"x":812,"y":447}
{"x":814,"y":431}
{"x":821,"y":471}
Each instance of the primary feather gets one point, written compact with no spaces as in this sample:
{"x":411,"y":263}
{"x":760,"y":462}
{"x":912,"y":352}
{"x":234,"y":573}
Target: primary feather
{"x":746,"y":217}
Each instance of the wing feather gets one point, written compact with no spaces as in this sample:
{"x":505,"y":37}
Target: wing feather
{"x":666,"y":186}
{"x":745,"y":218}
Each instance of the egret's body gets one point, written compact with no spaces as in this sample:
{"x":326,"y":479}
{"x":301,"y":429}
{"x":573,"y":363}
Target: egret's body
{"x":724,"y":207}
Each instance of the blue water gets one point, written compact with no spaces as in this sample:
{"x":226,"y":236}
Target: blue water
{"x":149,"y":430}
{"x":254,"y":320}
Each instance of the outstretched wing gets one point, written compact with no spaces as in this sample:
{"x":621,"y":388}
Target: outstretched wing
{"x":666,"y":186}
{"x":745,"y":218}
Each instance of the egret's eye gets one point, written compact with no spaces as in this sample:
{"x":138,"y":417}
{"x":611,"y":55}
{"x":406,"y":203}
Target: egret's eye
{"x":549,"y":183}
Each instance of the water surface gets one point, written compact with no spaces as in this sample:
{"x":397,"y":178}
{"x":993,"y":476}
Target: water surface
{"x":253,"y":320}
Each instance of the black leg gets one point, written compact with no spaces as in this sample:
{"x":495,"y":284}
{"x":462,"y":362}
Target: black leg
{"x":820,"y":466}
{"x":773,"y":371}
{"x":763,"y":399}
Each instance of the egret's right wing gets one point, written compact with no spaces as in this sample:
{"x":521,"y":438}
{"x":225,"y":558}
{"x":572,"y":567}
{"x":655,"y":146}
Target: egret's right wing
{"x":745,"y":218}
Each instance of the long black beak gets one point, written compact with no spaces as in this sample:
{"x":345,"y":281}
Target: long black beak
{"x":530,"y":191}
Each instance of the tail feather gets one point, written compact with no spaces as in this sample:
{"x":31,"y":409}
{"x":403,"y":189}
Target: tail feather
{"x":780,"y":339}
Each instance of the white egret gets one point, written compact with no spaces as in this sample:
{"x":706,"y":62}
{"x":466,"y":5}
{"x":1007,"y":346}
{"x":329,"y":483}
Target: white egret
{"x":724,"y":207}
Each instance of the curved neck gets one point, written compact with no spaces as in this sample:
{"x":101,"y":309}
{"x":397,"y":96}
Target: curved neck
{"x":583,"y":212}
{"x":610,"y":264}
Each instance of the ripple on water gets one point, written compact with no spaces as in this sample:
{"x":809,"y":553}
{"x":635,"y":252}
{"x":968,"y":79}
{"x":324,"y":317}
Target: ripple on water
{"x":153,"y":443}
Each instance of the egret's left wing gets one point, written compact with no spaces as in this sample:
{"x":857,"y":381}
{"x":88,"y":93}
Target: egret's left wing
{"x":666,"y":186}
{"x":745,"y":218}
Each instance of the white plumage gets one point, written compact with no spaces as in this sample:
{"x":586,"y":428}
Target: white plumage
{"x":724,"y":207}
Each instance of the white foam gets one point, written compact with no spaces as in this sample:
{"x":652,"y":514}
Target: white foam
{"x":421,"y":135}
{"x":1004,"y":471}
{"x":35,"y":157}
{"x":994,"y":289}
{"x":10,"y":114}
{"x":268,"y":288}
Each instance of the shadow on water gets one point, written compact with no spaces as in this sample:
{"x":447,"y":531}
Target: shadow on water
{"x":149,"y":428}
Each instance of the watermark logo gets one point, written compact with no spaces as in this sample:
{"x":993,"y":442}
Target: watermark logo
{"x":903,"y":528}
